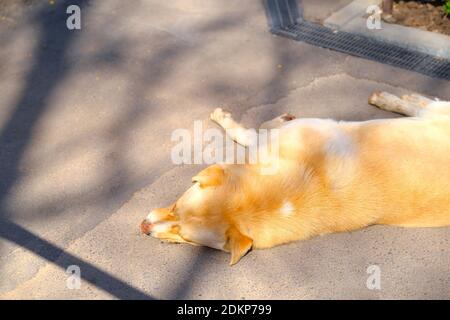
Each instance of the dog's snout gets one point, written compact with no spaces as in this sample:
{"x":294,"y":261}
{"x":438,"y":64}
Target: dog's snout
{"x":146,"y":226}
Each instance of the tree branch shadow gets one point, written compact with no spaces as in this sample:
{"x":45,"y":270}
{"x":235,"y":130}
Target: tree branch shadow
{"x":50,"y":66}
{"x":95,"y":276}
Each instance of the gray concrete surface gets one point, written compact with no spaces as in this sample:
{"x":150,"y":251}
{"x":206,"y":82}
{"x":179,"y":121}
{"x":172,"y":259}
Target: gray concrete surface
{"x":353,"y":18}
{"x":318,"y":11}
{"x":85,"y":124}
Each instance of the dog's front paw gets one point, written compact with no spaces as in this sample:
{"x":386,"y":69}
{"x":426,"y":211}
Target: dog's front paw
{"x":219,"y":115}
{"x":286,"y":117}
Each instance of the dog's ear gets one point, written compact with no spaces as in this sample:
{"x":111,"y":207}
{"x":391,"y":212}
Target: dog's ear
{"x":237,"y":244}
{"x":209,"y":177}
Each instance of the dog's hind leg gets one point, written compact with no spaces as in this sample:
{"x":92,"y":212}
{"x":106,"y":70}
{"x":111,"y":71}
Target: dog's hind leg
{"x":413,"y":105}
{"x":429,"y":107}
{"x":417,"y":99}
{"x":392,"y":103}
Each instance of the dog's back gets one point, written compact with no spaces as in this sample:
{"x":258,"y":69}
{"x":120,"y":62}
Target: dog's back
{"x":407,"y":164}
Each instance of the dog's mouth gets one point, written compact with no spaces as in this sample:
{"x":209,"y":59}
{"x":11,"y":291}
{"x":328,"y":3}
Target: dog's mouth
{"x":160,"y":222}
{"x":163,"y":230}
{"x":161,"y":227}
{"x":146,"y":227}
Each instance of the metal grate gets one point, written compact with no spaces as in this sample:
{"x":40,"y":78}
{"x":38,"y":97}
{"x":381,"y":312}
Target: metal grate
{"x":286,"y":21}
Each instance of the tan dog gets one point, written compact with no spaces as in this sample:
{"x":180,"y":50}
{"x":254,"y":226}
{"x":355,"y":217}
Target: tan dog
{"x":333,"y":177}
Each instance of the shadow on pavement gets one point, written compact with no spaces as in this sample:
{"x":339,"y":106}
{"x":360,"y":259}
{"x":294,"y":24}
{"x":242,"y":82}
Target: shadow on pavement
{"x":101,"y":279}
{"x":48,"y":69}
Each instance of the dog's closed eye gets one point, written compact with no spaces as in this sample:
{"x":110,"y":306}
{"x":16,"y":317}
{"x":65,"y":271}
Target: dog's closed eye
{"x":211,"y":176}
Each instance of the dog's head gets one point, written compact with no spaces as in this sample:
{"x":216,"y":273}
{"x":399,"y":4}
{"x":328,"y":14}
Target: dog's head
{"x":201,"y":216}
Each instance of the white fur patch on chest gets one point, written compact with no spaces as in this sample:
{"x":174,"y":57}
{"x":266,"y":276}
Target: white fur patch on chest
{"x":342,"y":154}
{"x":339,"y":144}
{"x":287,"y":209}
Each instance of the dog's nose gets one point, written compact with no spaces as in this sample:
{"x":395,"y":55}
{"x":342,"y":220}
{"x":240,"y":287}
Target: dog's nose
{"x":146,"y":226}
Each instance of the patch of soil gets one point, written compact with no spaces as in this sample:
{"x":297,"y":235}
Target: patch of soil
{"x":424,"y":16}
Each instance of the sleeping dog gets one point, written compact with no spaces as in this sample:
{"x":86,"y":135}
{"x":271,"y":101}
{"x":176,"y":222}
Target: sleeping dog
{"x":332,"y":176}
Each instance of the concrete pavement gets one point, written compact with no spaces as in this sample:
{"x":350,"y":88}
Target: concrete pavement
{"x":85,"y":124}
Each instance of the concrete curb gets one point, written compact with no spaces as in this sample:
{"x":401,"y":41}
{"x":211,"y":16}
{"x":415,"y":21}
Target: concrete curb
{"x":353,"y":18}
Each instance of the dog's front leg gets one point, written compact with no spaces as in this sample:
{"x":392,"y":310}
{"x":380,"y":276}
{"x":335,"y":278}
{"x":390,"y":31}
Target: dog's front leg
{"x":233,"y":129}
